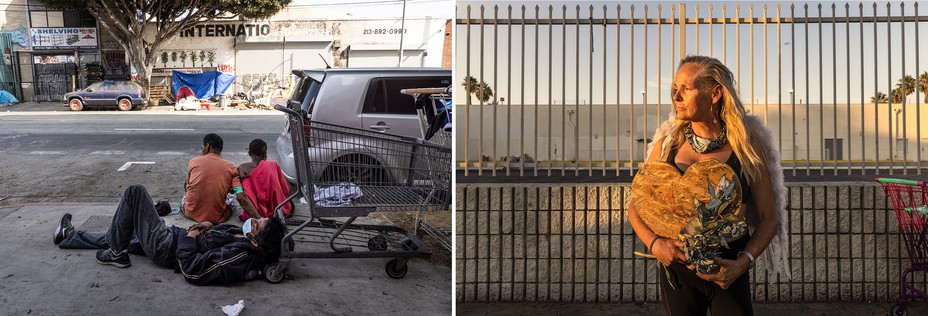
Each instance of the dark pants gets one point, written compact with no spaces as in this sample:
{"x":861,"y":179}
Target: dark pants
{"x":136,"y":227}
{"x":694,"y":296}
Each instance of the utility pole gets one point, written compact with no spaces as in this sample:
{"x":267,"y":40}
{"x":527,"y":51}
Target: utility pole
{"x":402,"y":33}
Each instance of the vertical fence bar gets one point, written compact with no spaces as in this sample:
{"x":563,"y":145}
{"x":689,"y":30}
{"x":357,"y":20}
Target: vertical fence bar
{"x":592,"y":50}
{"x":876,"y":102}
{"x":753,"y":78}
{"x":766,"y":63}
{"x":467,"y":89}
{"x":480,"y":95}
{"x":821,"y":95}
{"x":522,"y":155}
{"x":697,"y":28}
{"x":495,"y":156}
{"x":577,"y":96}
{"x":535,"y":88}
{"x":808,"y":130}
{"x":918,"y":105}
{"x":551,"y":153}
{"x":792,"y":98}
{"x":834,"y":71}
{"x":863,"y":126}
{"x":631,"y":91}
{"x":644,"y":89}
{"x":605,"y":56}
{"x":711,"y":36}
{"x":509,"y":91}
{"x":660,"y":82}
{"x":847,"y":48}
{"x":779,"y":83}
{"x":889,"y":80}
{"x":904,"y":88}
{"x":618,"y":109}
{"x":564,"y":90}
{"x":725,"y":34}
{"x":738,"y":43}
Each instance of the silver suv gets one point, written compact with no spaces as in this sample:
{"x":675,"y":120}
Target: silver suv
{"x":363,"y":98}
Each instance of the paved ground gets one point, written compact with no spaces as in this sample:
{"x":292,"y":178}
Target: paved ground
{"x":806,"y":309}
{"x":37,"y":278}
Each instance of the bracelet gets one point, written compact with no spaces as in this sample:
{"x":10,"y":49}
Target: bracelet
{"x":650,"y":246}
{"x":746,"y":253}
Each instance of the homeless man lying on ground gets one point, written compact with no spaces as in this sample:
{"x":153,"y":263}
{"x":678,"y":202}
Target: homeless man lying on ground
{"x":205,"y":254}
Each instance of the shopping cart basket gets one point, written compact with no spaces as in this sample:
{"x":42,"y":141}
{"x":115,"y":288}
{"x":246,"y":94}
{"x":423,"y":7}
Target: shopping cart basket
{"x":910,"y":203}
{"x":344,"y":172}
{"x":433,"y":106}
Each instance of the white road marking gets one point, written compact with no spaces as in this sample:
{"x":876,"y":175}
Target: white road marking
{"x":109,"y":152}
{"x":126,"y":165}
{"x":45,"y":152}
{"x":170,"y":153}
{"x":152,"y":129}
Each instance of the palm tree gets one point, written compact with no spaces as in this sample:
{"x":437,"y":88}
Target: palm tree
{"x":896,"y":95}
{"x":923,"y":85}
{"x":906,"y":86}
{"x":483,"y":90}
{"x":880,"y":97}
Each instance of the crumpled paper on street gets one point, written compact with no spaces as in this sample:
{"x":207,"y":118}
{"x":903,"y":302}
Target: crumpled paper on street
{"x":234,"y":310}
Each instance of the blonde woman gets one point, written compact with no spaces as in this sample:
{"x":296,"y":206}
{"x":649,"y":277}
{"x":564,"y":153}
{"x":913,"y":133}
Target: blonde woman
{"x":711,"y":123}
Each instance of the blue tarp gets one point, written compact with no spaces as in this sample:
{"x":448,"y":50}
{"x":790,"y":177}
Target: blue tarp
{"x":7,"y":98}
{"x":205,"y":85}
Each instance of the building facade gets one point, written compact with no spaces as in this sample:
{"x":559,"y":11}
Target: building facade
{"x":47,"y":53}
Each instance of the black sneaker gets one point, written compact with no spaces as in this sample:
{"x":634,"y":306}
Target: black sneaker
{"x":107,"y":256}
{"x":64,"y":227}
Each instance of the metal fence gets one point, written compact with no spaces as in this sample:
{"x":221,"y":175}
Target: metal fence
{"x":563,"y":243}
{"x":574,"y":91}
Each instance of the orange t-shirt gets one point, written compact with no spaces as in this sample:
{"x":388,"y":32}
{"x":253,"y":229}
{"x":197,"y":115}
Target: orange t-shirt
{"x":209,"y":178}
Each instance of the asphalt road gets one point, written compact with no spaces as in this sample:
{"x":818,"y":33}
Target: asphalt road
{"x":92,"y":157}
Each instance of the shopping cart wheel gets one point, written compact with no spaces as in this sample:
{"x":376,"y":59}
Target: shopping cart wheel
{"x":274,"y":273}
{"x":900,"y":311}
{"x":396,"y":269}
{"x":377,"y":243}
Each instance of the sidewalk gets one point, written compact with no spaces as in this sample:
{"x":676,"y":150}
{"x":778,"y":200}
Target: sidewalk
{"x":917,"y":307}
{"x":38,"y":278}
{"x":29,"y":107}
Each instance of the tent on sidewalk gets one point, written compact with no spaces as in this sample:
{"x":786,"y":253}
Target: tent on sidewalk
{"x":205,"y":85}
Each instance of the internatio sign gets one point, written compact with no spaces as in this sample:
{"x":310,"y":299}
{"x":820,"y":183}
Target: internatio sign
{"x":227,"y":30}
{"x":64,"y":37}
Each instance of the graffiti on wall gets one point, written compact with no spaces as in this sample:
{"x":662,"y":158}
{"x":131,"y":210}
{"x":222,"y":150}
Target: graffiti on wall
{"x":19,"y":37}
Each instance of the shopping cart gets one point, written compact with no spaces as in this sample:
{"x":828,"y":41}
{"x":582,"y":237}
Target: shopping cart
{"x":344,"y":172}
{"x":433,"y":106}
{"x":910,"y":203}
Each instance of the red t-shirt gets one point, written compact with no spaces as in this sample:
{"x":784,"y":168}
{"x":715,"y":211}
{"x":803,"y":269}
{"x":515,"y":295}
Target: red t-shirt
{"x":266,"y":187}
{"x":209,"y":178}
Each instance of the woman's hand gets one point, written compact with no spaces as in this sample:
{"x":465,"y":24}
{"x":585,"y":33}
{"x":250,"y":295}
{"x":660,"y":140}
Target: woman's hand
{"x":730,"y":270}
{"x":668,"y":251}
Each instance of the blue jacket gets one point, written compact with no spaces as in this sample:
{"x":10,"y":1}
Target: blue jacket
{"x":216,"y":256}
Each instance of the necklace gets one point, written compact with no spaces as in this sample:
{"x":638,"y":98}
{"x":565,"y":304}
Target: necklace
{"x":703,"y":145}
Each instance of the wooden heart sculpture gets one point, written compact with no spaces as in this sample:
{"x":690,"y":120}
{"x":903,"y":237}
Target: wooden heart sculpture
{"x":664,"y":198}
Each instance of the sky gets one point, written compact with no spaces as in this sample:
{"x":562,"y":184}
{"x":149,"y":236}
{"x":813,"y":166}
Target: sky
{"x":379,"y":9}
{"x":881,"y":67}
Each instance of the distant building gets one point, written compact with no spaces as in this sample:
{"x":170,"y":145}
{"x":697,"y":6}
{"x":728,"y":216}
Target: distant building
{"x":48,"y":53}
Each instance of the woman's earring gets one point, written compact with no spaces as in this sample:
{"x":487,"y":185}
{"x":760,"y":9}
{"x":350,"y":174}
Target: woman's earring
{"x":714,"y":120}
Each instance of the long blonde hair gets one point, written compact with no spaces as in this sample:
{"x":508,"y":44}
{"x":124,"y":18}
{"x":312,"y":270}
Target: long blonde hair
{"x":744,"y":145}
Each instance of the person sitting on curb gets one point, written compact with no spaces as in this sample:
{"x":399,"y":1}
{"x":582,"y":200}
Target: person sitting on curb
{"x":263,"y":181}
{"x":204,"y":253}
{"x":209,"y":179}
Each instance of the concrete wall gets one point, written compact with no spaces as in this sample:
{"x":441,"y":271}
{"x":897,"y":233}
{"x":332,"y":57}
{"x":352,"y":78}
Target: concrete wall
{"x":571,"y":243}
{"x":596,"y":132}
